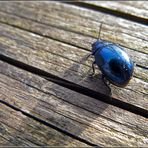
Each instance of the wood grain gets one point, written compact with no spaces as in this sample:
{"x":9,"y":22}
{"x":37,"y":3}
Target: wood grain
{"x":57,"y":37}
{"x":65,"y":36}
{"x":69,"y":63}
{"x":81,"y":115}
{"x":20,"y":130}
{"x":125,"y":33}
{"x":135,"y":8}
{"x":4,"y":140}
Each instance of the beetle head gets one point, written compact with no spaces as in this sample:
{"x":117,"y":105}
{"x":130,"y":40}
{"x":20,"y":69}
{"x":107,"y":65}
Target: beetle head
{"x":98,"y":45}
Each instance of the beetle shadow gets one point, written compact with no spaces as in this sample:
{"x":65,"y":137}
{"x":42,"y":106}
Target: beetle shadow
{"x":85,"y":78}
{"x":78,"y":106}
{"x":74,"y":73}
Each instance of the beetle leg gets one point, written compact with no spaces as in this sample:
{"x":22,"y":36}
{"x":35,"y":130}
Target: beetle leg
{"x":93,"y":68}
{"x":107,"y":83}
{"x":91,"y":74}
{"x":88,"y":56}
{"x":134,"y":63}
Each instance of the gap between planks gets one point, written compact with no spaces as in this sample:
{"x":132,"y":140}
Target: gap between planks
{"x":28,"y":130}
{"x":35,"y":44}
{"x":72,"y":109}
{"x":137,"y":8}
{"x":108,"y":10}
{"x":117,"y":31}
{"x":76,"y":87}
{"x":143,"y":55}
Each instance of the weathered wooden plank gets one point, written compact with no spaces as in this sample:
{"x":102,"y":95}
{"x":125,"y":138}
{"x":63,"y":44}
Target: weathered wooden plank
{"x":91,"y":15}
{"x":141,"y":73}
{"x":10,"y":32}
{"x":68,"y":37}
{"x":71,"y":38}
{"x":52,"y":57}
{"x":4,"y":140}
{"x":14,"y":137}
{"x":65,"y":61}
{"x":21,"y":130}
{"x":134,"y":8}
{"x":81,"y":115}
{"x":79,"y":24}
{"x":76,"y":12}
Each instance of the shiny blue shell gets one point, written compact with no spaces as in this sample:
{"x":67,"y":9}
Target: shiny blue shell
{"x":113,"y":62}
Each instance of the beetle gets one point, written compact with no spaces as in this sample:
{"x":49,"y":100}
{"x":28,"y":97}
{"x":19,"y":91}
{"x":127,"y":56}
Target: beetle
{"x":114,"y":63}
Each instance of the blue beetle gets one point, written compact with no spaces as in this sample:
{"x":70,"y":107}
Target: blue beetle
{"x":114,"y":63}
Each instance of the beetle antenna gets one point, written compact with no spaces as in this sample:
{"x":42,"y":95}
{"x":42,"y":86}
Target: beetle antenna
{"x":100,"y":30}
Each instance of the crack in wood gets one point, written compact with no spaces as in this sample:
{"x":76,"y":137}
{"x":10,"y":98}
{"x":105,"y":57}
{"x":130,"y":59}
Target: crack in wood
{"x":111,"y":12}
{"x":70,"y":85}
{"x":48,"y":124}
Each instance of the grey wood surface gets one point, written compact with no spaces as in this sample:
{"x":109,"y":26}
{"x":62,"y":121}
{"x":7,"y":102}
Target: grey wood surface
{"x":88,"y":118}
{"x":56,"y":37}
{"x":67,"y":62}
{"x":19,"y":129}
{"x":135,"y":8}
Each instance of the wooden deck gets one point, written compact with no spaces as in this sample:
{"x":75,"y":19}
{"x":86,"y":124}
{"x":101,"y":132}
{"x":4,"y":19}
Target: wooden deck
{"x":46,"y":96}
